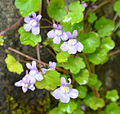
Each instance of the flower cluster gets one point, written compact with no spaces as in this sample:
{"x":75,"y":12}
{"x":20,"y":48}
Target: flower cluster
{"x":30,"y":78}
{"x":65,"y":92}
{"x":32,"y":23}
{"x":71,"y":45}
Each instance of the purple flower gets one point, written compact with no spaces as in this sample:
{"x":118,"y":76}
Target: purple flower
{"x":65,"y":92}
{"x":84,"y":4}
{"x":34,"y":71}
{"x":32,"y":23}
{"x":83,"y":107}
{"x":72,"y":45}
{"x":51,"y":66}
{"x":57,"y":34}
{"x":27,"y":83}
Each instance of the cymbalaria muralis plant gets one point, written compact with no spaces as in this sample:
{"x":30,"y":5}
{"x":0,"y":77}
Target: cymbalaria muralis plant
{"x":79,"y":41}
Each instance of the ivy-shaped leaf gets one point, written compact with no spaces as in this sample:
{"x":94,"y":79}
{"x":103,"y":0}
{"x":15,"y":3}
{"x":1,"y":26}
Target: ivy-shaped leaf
{"x":56,"y":9}
{"x":82,"y":77}
{"x":13,"y":65}
{"x":76,"y":13}
{"x":96,"y":103}
{"x":90,"y":41}
{"x":112,"y":108}
{"x":104,"y":26}
{"x":92,"y":17}
{"x":56,"y":111}
{"x":112,"y":95}
{"x":82,"y":91}
{"x":75,"y":64}
{"x":67,"y":107}
{"x":92,"y":79}
{"x":50,"y":82}
{"x":27,"y":38}
{"x":62,"y":57}
{"x":117,"y":7}
{"x":27,"y":7}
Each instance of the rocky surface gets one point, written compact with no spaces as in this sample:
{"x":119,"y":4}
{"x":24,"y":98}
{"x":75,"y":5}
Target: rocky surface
{"x":109,"y":73}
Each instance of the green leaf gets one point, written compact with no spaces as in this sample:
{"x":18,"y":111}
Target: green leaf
{"x":98,"y":57}
{"x":118,"y":33}
{"x":78,"y":111}
{"x":75,"y":64}
{"x":104,"y":26}
{"x":112,"y":95}
{"x":112,"y":108}
{"x":56,"y":9}
{"x":62,"y":57}
{"x":50,"y":82}
{"x":98,"y":84}
{"x":92,"y":80}
{"x":117,"y":7}
{"x":56,"y":111}
{"x":96,"y":103}
{"x":82,"y":91}
{"x":76,"y":13}
{"x":71,"y":27}
{"x":107,"y":43}
{"x":67,"y":107}
{"x":13,"y":65}
{"x":1,"y":41}
{"x":82,"y":77}
{"x":92,"y":17}
{"x":90,"y":42}
{"x":27,"y":7}
{"x":27,"y":38}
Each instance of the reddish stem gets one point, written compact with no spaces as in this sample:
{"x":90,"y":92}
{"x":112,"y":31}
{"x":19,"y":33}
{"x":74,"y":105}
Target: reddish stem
{"x":14,"y":25}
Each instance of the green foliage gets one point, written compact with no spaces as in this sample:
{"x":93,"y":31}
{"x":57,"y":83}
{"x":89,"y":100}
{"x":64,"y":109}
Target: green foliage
{"x":56,"y":111}
{"x":104,"y":26}
{"x":27,"y":7}
{"x":90,"y":41}
{"x":112,"y":108}
{"x":98,"y":84}
{"x":76,"y":13}
{"x":75,"y":64}
{"x":78,"y":111}
{"x":100,"y":55}
{"x":96,"y":103}
{"x":112,"y":95}
{"x":67,"y":107}
{"x":82,"y":77}
{"x":13,"y":65}
{"x":82,"y":91}
{"x":62,"y":57}
{"x":56,"y":9}
{"x":27,"y":38}
{"x":117,"y":7}
{"x":50,"y":82}
{"x":118,"y":33}
{"x":71,"y":27}
{"x":1,"y":41}
{"x":92,"y":80}
{"x":92,"y":17}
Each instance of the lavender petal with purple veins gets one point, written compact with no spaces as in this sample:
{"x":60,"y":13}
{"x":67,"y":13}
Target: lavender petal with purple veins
{"x":84,"y":4}
{"x":72,"y":45}
{"x":26,"y":83}
{"x":65,"y":92}
{"x":57,"y":34}
{"x":51,"y":66}
{"x":32,"y":23}
{"x":34,"y":71}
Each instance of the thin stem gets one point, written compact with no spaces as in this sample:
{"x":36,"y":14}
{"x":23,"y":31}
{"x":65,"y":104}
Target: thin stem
{"x":114,"y":52}
{"x":38,"y":54}
{"x":115,"y":17}
{"x":46,"y":26}
{"x":101,"y":4}
{"x":8,"y":29}
{"x":44,"y":19}
{"x":33,"y":59}
{"x":48,"y":3}
{"x":87,"y":63}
